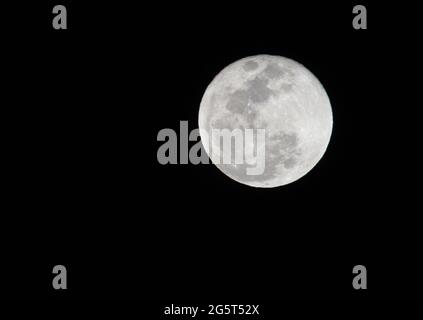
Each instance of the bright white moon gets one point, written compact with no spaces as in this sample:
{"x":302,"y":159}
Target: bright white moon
{"x":276,"y":94}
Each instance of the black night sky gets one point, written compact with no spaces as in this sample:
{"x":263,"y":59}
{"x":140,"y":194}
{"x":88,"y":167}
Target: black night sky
{"x":82,"y":186}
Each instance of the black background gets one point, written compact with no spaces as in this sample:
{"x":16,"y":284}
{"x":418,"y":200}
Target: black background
{"x":81,"y":110}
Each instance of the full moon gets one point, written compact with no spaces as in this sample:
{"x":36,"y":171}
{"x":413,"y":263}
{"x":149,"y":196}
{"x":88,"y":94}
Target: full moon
{"x":278,"y":95}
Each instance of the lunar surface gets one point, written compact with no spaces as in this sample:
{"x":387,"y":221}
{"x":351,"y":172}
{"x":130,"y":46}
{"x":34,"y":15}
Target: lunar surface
{"x":280,"y":96}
